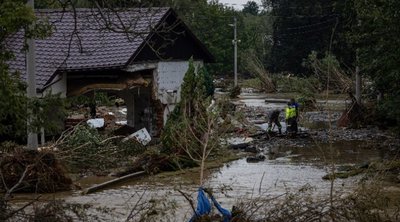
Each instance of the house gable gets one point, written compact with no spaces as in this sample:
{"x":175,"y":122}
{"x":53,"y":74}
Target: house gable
{"x":178,"y":44}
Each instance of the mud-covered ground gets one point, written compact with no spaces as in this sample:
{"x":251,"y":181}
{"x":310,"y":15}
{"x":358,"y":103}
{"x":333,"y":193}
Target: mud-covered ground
{"x":314,"y":127}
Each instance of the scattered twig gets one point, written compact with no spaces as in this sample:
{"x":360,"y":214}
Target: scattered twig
{"x":188,"y":199}
{"x":262,"y":178}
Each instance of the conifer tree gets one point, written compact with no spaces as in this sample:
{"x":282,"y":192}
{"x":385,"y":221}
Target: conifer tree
{"x":190,"y":111}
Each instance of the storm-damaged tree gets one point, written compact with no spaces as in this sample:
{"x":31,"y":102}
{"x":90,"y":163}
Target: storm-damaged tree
{"x":193,"y":129}
{"x":256,"y":67}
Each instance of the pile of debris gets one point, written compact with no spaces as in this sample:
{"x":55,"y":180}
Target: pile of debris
{"x":33,"y":171}
{"x":110,"y":117}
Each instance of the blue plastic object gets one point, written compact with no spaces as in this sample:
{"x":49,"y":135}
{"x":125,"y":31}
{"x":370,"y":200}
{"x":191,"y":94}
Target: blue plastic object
{"x":203,"y":204}
{"x":225,"y":213}
{"x":204,"y":207}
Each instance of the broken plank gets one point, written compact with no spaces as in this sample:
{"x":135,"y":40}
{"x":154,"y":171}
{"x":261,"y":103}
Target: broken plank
{"x":111,"y":182}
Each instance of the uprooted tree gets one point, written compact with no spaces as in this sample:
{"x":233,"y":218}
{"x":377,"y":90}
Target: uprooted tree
{"x":330,"y":76}
{"x":255,"y":66}
{"x":329,"y":72}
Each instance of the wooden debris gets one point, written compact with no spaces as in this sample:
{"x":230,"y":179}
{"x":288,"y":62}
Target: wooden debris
{"x":112,"y":182}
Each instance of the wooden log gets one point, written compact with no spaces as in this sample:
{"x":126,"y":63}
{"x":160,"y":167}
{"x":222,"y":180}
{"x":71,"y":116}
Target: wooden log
{"x":111,"y":182}
{"x":276,"y":100}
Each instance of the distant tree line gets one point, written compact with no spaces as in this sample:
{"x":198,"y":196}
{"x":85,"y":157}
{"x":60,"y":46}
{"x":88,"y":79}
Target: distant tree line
{"x":359,"y":33}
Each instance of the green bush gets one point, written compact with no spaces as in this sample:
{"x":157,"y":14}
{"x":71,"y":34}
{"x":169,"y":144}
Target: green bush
{"x":388,"y":113}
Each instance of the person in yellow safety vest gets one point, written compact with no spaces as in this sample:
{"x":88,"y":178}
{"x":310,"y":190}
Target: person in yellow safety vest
{"x":292,"y":115}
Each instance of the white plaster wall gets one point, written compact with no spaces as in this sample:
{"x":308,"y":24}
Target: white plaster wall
{"x":169,"y":78}
{"x":58,"y":85}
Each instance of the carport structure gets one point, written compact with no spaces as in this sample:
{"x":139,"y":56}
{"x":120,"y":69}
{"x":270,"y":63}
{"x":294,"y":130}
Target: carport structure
{"x":139,"y":54}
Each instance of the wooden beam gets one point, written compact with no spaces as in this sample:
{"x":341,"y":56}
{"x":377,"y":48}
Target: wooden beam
{"x":112,"y":182}
{"x":126,"y":84}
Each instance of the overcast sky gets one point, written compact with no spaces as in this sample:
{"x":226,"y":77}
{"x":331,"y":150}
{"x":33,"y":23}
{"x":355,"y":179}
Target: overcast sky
{"x":237,"y":4}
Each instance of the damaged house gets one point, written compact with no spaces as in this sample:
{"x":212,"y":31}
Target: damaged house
{"x":139,"y":54}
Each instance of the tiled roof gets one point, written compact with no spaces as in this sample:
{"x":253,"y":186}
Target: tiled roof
{"x":92,"y":46}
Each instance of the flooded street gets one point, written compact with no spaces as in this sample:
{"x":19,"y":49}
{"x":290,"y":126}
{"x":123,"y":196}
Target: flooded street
{"x":238,"y":180}
{"x":287,"y":168}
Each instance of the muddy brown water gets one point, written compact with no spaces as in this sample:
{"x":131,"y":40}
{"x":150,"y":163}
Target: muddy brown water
{"x":292,"y":169}
{"x":237,"y":180}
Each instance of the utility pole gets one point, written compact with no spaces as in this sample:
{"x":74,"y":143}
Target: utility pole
{"x":32,"y":143}
{"x":235,"y":41}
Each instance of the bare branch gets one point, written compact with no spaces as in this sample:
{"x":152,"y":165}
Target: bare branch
{"x":132,"y":213}
{"x":188,"y":199}
{"x":23,"y":207}
{"x":9,"y":191}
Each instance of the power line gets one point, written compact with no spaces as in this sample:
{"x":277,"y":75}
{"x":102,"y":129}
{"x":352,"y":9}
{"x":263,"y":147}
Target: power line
{"x":314,"y":24}
{"x":291,"y":28}
{"x":308,"y":31}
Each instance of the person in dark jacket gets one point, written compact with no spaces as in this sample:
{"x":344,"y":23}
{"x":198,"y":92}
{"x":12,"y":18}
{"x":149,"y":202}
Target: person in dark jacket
{"x":274,"y":118}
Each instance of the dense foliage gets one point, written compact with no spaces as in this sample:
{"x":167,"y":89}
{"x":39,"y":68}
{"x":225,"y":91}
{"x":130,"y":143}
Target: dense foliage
{"x":355,"y":33}
{"x":301,"y":27}
{"x":377,"y":40}
{"x":251,"y":7}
